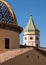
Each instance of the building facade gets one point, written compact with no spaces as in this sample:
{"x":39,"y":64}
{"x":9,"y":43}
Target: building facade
{"x":31,"y":34}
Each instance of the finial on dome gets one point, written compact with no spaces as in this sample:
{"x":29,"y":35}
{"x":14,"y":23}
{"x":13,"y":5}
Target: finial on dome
{"x":30,"y":15}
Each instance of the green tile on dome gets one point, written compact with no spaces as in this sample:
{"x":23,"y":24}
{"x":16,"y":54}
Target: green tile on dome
{"x":30,"y":26}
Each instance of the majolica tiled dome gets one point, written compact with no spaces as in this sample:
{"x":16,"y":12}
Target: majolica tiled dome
{"x":8,"y":18}
{"x":6,"y":13}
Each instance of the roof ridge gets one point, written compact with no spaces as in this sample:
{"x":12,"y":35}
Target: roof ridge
{"x":12,"y":53}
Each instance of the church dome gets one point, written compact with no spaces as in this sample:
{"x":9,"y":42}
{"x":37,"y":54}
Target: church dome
{"x":8,"y":19}
{"x":6,"y":13}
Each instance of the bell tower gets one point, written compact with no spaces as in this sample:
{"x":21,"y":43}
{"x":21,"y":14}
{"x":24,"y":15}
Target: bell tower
{"x":31,"y":35}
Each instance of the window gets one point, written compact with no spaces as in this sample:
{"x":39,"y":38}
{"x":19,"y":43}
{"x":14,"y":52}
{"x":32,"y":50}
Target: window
{"x":6,"y":43}
{"x":38,"y":57}
{"x":31,"y":38}
{"x":37,"y":45}
{"x":27,"y":56}
{"x":25,"y":38}
{"x":37,"y":38}
{"x":25,"y":44}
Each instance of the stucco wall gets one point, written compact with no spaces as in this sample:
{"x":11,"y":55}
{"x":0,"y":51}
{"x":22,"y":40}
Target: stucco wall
{"x":28,"y":41}
{"x":12,"y":35}
{"x":31,"y":42}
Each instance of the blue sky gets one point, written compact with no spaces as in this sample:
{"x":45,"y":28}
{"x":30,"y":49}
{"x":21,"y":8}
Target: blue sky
{"x":37,"y":8}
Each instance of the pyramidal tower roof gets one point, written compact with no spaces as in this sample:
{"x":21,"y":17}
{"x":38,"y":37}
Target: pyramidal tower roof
{"x":31,"y":26}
